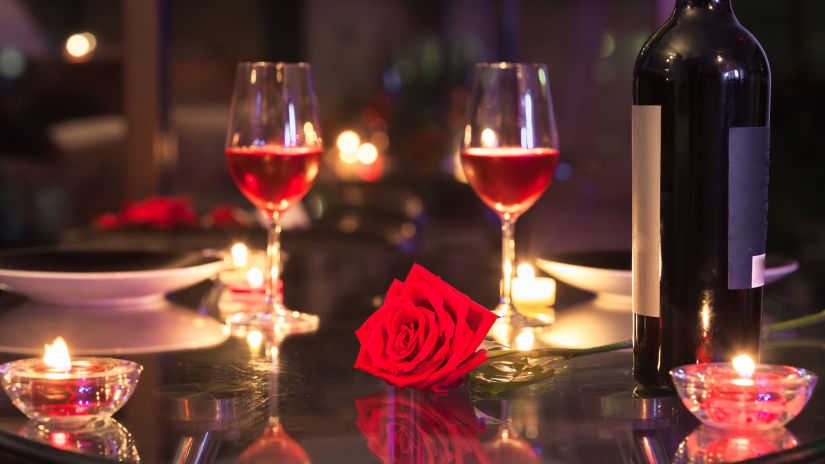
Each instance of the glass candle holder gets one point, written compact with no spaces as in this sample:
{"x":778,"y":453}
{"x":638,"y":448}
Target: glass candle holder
{"x":720,"y":396}
{"x":93,"y":389}
{"x":109,"y":439}
{"x":709,"y":445}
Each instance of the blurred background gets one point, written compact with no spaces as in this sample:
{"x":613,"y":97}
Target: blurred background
{"x":104,"y":101}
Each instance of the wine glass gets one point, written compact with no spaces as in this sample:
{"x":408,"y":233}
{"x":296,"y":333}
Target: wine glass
{"x":509,"y":154}
{"x":273,"y":149}
{"x":273,"y":444}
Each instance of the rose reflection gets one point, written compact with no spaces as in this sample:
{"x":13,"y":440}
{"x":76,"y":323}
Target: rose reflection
{"x":413,"y":426}
{"x":708,"y":445}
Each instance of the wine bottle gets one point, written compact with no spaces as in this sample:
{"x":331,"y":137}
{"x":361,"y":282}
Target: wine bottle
{"x":700,"y":117}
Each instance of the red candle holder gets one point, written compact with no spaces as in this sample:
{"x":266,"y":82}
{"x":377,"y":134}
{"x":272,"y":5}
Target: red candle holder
{"x":91,"y":390}
{"x":767,"y":398}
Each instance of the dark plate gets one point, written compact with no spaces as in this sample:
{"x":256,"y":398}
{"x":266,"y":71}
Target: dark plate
{"x":51,"y":260}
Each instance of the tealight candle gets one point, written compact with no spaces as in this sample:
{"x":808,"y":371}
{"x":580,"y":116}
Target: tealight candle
{"x":533,"y":295}
{"x":240,"y":255}
{"x":69,"y":392}
{"x":245,"y":275}
{"x":743,"y":395}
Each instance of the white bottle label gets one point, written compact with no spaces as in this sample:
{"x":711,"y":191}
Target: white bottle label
{"x":646,"y":192}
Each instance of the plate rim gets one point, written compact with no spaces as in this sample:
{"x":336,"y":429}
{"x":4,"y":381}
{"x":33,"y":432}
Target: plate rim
{"x":96,"y":275}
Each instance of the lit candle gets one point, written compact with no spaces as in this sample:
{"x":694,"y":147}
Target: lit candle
{"x":743,"y":395}
{"x":255,"y":279}
{"x":59,"y":389}
{"x":533,"y":295}
{"x":744,"y":367}
{"x":240,"y":255}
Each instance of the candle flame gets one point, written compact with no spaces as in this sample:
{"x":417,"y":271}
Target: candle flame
{"x":525,"y":271}
{"x":744,"y":366}
{"x":239,"y":255}
{"x":57,"y":355}
{"x":489,"y":138}
{"x":255,"y":277}
{"x":525,"y":340}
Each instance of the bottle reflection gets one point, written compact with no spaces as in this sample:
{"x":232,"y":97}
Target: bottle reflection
{"x":108,"y":439}
{"x":273,"y":445}
{"x":413,"y":426}
{"x":708,"y":445}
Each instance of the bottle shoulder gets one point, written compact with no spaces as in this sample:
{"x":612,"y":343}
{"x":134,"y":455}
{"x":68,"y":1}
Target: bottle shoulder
{"x":709,"y":45}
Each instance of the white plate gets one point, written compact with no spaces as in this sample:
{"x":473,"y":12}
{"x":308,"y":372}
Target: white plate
{"x":28,"y":325}
{"x":102,"y":278}
{"x":607,"y":273}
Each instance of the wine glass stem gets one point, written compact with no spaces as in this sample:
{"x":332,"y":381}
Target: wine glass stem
{"x":273,"y":260}
{"x":508,"y":257}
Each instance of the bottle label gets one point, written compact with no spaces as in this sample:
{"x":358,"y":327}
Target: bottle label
{"x":747,"y":205}
{"x":647,"y":238}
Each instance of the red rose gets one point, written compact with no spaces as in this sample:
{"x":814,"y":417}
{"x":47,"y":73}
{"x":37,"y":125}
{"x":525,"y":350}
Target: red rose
{"x":160,"y":212}
{"x":223,"y":215}
{"x":163,"y":212}
{"x":409,"y":426}
{"x":425,"y":335}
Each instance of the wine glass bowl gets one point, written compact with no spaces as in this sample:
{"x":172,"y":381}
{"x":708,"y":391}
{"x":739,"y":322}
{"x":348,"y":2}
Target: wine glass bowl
{"x":273,"y":152}
{"x":509,"y":154}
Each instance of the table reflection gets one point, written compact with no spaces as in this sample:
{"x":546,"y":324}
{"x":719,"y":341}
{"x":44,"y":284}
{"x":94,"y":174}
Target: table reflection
{"x":708,"y":445}
{"x":274,"y":444}
{"x":413,"y":426}
{"x":108,"y":439}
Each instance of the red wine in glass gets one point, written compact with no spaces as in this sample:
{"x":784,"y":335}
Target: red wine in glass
{"x":273,"y":151}
{"x":509,"y":154}
{"x":273,"y":178}
{"x":509,"y":179}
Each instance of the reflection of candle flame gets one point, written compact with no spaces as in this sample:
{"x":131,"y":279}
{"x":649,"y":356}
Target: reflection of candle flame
{"x":239,"y":255}
{"x":57,"y":355}
{"x":254,"y":338}
{"x":525,"y":340}
{"x":488,"y":138}
{"x":525,"y":271}
{"x":255,"y":277}
{"x":59,"y":439}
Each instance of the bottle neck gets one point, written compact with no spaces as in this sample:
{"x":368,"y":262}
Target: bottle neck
{"x":723,"y":6}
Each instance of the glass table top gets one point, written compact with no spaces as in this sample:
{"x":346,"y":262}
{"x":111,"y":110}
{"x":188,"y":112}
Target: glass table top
{"x":246,"y":400}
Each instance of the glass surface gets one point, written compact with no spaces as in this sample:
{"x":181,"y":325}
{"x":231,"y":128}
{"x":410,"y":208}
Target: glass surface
{"x":721,"y":397}
{"x":273,"y":149}
{"x":509,"y":154}
{"x":92,"y":390}
{"x":217,"y":401}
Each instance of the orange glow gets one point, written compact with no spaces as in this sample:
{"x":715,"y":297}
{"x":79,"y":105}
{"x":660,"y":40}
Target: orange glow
{"x":367,"y":153}
{"x":255,"y":277}
{"x":57,"y":355}
{"x":348,"y":142}
{"x":81,"y":45}
{"x":240,"y":255}
{"x":59,"y":439}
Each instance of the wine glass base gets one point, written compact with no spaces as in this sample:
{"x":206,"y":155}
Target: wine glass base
{"x":510,"y":324}
{"x":279,"y":322}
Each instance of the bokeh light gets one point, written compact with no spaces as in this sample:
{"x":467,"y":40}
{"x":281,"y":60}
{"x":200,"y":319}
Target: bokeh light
{"x":488,"y":137}
{"x":348,"y":142}
{"x":367,"y":153}
{"x":564,"y":172}
{"x":12,"y":63}
{"x":255,"y":277}
{"x":81,"y":45}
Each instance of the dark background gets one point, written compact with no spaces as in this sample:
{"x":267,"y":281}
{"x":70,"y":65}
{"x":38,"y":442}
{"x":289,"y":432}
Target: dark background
{"x":394,"y":67}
